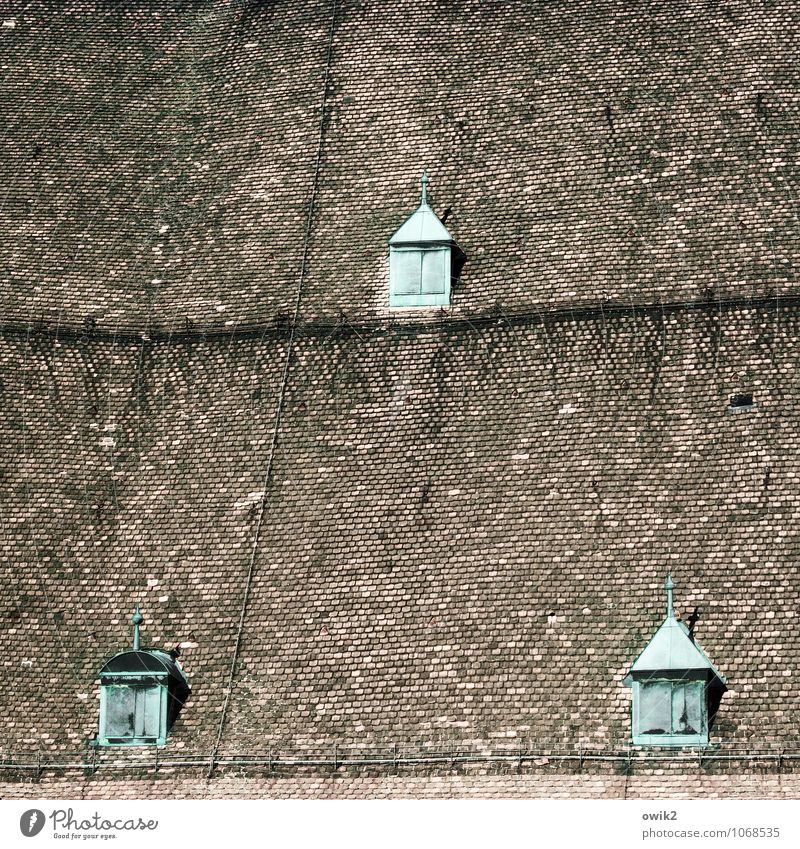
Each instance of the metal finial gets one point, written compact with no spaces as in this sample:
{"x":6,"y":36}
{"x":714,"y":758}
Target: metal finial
{"x":137,"y":620}
{"x":424,"y":181}
{"x":669,"y":586}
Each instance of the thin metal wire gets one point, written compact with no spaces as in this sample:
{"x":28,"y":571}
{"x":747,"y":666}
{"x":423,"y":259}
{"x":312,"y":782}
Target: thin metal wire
{"x":628,"y":756}
{"x":282,"y":392}
{"x":535,"y":314}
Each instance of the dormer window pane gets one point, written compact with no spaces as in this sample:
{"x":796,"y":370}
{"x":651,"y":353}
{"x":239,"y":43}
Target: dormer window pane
{"x":687,"y":701}
{"x":433,"y":271}
{"x":133,"y":713}
{"x":655,"y":708}
{"x":420,"y":272}
{"x":120,"y":712}
{"x":407,"y":273}
{"x":148,"y":711}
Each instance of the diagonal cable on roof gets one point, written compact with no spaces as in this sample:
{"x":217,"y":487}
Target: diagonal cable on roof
{"x":284,"y":381}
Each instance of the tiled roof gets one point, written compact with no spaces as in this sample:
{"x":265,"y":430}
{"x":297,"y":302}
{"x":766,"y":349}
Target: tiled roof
{"x":159,"y":159}
{"x":451,"y":528}
{"x":465,"y":534}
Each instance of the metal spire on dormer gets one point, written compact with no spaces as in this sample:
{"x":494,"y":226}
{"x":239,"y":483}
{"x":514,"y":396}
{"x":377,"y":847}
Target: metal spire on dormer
{"x":424,"y":182}
{"x":136,"y":620}
{"x":669,"y":586}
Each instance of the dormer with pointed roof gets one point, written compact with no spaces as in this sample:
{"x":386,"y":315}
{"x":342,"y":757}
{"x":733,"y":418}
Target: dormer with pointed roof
{"x":421,"y":259}
{"x":676,"y":688}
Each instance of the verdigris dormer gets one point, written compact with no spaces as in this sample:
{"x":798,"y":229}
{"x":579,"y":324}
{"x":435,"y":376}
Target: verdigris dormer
{"x":421,"y":259}
{"x":141,"y":694}
{"x":676,"y":689}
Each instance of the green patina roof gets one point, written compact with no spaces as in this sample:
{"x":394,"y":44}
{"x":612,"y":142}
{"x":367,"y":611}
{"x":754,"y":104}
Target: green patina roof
{"x":138,"y":659}
{"x":672,"y":647}
{"x":423,"y":226}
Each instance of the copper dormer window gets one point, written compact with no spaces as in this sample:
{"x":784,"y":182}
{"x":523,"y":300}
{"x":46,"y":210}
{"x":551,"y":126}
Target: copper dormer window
{"x":421,"y":256}
{"x":141,"y":694}
{"x":676,"y":689}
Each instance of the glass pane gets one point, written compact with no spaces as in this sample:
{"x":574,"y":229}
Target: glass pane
{"x":148,"y":711}
{"x":406,"y":272}
{"x":433,"y":272}
{"x":655,"y":708}
{"x":120,"y":709}
{"x":686,"y":708}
